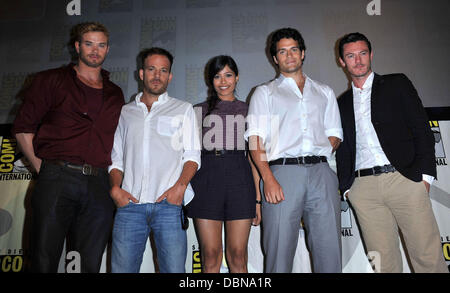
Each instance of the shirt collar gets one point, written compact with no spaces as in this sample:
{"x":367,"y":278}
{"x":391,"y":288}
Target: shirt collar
{"x":280,"y":79}
{"x":161,"y":99}
{"x":367,"y":84}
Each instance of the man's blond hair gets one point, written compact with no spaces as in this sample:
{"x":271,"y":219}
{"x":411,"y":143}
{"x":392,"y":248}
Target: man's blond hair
{"x":85,"y":27}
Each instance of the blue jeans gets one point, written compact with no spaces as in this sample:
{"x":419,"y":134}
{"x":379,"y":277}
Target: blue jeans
{"x":132,"y":226}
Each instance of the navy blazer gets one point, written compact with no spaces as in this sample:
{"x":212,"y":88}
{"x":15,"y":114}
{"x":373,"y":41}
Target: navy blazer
{"x":402,"y":127}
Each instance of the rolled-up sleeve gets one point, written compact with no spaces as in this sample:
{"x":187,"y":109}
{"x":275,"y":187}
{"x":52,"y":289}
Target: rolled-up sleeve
{"x":332,"y":119}
{"x":191,"y":138}
{"x":258,"y":117}
{"x":117,"y":150}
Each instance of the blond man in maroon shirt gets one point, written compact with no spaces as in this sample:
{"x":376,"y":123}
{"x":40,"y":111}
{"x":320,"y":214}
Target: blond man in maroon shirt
{"x":65,"y":127}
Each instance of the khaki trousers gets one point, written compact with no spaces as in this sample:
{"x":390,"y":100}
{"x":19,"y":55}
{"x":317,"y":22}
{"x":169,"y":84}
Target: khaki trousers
{"x":389,"y":201}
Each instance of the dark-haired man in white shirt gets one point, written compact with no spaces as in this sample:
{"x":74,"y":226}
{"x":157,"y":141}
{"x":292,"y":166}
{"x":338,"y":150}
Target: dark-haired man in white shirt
{"x":155,"y":155}
{"x":386,"y":163}
{"x":293,"y":128}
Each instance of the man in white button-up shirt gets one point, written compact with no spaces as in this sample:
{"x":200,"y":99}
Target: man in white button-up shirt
{"x":293,"y":128}
{"x":386,"y":162}
{"x":156,"y":153}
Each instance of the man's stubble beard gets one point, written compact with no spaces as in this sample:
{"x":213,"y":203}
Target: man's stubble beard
{"x":156,"y":92}
{"x":88,"y":63}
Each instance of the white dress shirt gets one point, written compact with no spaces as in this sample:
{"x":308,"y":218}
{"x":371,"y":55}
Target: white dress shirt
{"x":293,"y":124}
{"x":368,"y":148}
{"x":150,"y":148}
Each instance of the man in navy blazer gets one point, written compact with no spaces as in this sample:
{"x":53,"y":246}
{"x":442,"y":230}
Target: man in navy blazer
{"x":386,"y":162}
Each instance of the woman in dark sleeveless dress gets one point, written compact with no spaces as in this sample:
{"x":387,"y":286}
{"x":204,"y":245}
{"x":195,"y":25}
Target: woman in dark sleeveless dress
{"x":224,"y":186}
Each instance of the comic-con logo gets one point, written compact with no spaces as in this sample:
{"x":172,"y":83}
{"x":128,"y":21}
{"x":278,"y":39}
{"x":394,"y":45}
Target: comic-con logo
{"x":197,"y":266}
{"x":441,"y":159}
{"x":7,"y":156}
{"x":346,"y":220}
{"x":13,"y":164}
{"x":446,"y":248}
{"x":196,"y":262}
{"x":11,"y":263}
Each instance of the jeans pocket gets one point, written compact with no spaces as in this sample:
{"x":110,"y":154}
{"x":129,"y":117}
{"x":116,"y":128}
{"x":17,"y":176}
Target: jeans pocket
{"x":126,"y":205}
{"x":165,"y":201}
{"x":49,"y":171}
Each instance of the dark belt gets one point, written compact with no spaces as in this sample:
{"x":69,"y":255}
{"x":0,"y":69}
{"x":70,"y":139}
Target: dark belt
{"x":219,"y":153}
{"x":299,"y":160}
{"x":377,"y":170}
{"x":85,"y":169}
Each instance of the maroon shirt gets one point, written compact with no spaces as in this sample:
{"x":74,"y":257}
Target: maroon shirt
{"x":231,"y":115}
{"x":71,"y":121}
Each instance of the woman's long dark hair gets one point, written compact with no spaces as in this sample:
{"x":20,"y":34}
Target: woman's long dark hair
{"x":213,"y":66}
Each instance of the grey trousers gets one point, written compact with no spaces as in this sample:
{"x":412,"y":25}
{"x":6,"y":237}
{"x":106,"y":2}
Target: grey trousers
{"x":311,"y":193}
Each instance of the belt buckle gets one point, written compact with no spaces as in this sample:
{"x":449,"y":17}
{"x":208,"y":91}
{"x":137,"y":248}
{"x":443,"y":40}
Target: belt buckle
{"x":217,"y":153}
{"x":307,"y":161}
{"x":381,"y":170}
{"x":87,"y":170}
{"x":378,"y":170}
{"x":390,"y":169}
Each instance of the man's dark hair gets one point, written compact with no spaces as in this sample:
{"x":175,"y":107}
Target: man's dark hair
{"x":351,"y":38}
{"x":154,"y":51}
{"x":285,"y":33}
